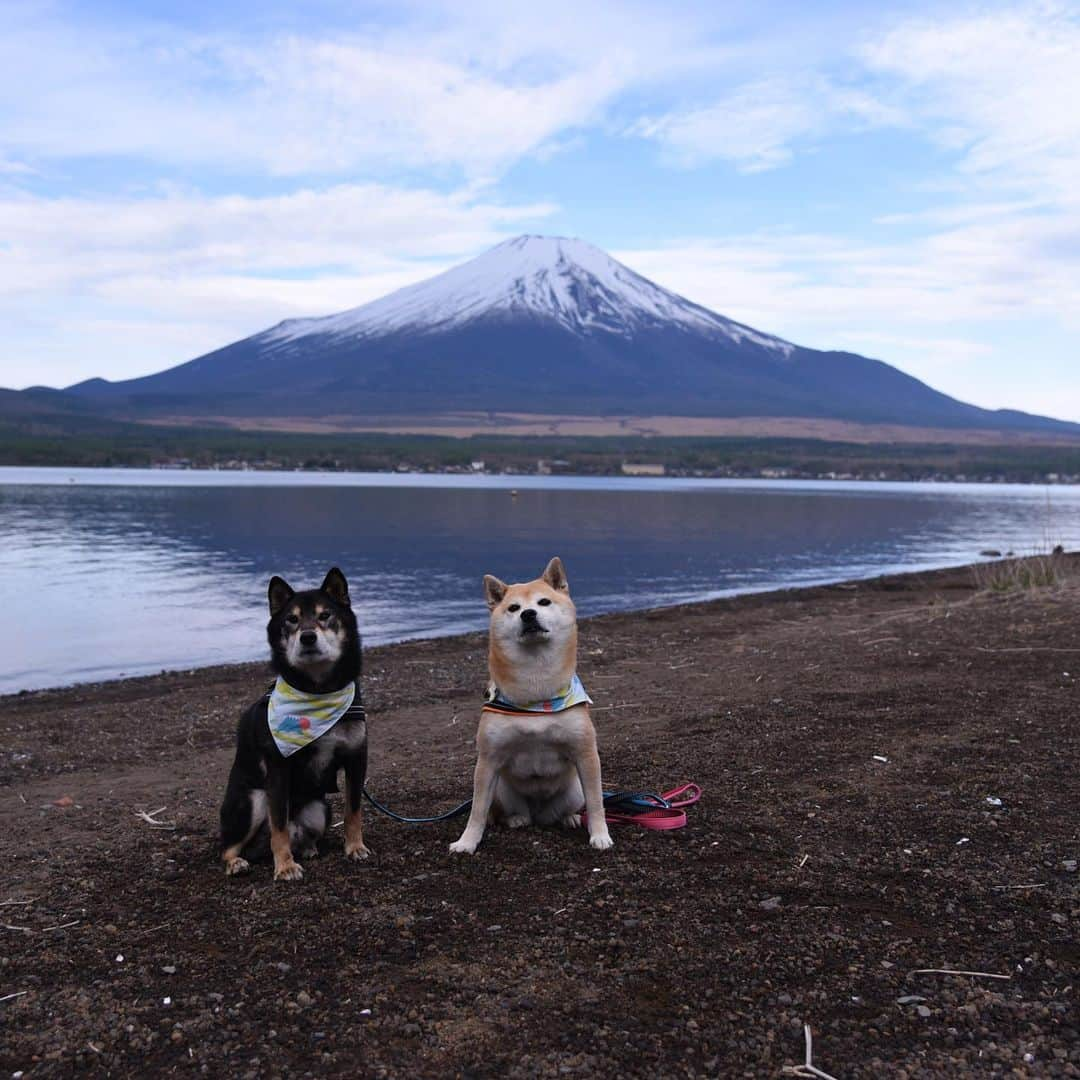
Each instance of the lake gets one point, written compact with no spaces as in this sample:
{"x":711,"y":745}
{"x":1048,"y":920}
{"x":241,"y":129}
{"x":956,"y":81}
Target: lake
{"x":123,"y":572}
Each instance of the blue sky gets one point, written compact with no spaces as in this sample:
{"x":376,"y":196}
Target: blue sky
{"x":903,"y":182}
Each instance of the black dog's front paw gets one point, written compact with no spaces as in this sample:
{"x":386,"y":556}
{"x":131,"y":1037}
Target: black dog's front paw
{"x":290,"y":871}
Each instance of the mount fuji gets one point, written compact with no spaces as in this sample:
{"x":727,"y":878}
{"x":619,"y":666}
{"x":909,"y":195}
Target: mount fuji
{"x":544,"y":326}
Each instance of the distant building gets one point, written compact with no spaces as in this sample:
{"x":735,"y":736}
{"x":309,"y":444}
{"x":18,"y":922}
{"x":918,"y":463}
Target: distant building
{"x":643,"y":469}
{"x":477,"y":466}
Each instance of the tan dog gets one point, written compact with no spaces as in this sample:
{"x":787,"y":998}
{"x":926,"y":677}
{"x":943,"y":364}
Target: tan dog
{"x":537,"y":761}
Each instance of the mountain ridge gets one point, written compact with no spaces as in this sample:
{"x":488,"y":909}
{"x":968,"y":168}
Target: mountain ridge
{"x":542,"y":325}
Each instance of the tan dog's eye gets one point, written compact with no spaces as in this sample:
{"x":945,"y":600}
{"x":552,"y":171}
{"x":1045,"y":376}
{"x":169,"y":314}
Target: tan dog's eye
{"x":514,"y":607}
{"x":543,"y":601}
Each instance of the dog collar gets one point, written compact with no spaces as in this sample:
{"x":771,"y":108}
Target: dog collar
{"x":296,"y":719}
{"x":573,"y":694}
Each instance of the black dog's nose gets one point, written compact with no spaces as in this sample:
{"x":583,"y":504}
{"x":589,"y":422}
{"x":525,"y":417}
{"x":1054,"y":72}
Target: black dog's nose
{"x":309,"y":637}
{"x":528,"y":615}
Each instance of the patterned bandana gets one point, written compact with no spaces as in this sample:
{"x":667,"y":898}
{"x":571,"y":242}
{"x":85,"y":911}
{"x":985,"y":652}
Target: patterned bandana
{"x":573,"y":694}
{"x":297,"y":719}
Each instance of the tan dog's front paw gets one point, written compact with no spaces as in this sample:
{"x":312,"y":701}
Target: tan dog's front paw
{"x":601,"y":841}
{"x":357,"y":851}
{"x":464,"y":846}
{"x":237,"y":866}
{"x":290,"y":871}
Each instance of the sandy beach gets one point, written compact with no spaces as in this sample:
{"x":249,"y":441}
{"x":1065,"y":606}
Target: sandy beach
{"x":891,"y":784}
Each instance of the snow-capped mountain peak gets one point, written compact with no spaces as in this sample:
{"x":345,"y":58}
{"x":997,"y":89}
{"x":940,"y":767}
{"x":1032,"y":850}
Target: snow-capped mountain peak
{"x":540,"y":277}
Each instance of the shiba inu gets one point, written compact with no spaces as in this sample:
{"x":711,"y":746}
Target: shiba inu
{"x":291,"y":743}
{"x":537,"y":761}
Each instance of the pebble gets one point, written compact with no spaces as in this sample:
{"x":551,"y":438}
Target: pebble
{"x":304,"y":999}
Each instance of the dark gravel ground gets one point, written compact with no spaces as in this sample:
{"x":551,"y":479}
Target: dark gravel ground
{"x":853,"y":743}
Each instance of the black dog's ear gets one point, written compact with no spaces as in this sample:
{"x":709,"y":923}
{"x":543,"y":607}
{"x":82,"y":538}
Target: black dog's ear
{"x":494,"y":591}
{"x":555,"y":575}
{"x":279,"y":594}
{"x":335,"y":585}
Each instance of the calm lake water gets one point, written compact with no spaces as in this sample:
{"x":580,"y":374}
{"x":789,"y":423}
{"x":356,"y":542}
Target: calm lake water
{"x":122,"y":572}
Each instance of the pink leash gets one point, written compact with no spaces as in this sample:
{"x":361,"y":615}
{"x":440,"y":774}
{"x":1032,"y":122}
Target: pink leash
{"x":648,"y":811}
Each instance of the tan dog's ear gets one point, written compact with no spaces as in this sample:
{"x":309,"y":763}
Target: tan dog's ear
{"x":335,"y":585}
{"x":279,"y":594}
{"x":555,"y":575}
{"x":494,"y":591}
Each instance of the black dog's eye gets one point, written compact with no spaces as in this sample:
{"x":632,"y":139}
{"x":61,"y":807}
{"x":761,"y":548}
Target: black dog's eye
{"x":543,"y":601}
{"x":292,"y":619}
{"x":514,"y":607}
{"x":324,"y":616}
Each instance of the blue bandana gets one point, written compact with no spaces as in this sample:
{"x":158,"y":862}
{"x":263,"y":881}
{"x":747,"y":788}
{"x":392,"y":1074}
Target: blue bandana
{"x":297,"y":719}
{"x":573,"y":694}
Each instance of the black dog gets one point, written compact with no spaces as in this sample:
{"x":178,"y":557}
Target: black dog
{"x":291,"y":743}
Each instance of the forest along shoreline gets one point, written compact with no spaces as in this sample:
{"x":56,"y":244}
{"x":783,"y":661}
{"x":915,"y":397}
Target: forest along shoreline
{"x":890,"y":787}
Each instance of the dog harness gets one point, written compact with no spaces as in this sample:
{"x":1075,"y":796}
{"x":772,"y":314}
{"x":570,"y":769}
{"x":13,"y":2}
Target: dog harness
{"x":574,"y":694}
{"x":297,"y":719}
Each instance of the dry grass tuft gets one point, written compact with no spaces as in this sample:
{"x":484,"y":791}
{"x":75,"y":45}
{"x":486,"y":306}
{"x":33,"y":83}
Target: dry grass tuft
{"x":1022,"y":575}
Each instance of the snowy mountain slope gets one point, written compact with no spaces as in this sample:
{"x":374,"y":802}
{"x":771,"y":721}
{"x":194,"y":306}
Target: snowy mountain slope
{"x":565,"y":280}
{"x":537,"y":325}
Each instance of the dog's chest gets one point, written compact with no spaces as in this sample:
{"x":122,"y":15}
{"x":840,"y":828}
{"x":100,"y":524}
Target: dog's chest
{"x":536,"y":744}
{"x":332,"y":749}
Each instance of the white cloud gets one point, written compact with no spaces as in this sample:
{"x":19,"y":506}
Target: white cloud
{"x":474,"y":94}
{"x":760,"y":125}
{"x":1000,"y":87}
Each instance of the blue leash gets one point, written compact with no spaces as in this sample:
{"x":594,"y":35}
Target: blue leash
{"x":623,"y":802}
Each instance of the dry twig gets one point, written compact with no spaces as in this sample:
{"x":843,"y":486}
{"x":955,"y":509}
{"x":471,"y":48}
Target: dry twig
{"x":949,"y":971}
{"x":18,"y":993}
{"x":807,"y":1068}
{"x":151,"y":818}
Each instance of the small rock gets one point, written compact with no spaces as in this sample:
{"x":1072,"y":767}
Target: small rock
{"x":1069,"y":865}
{"x":64,"y":800}
{"x":909,"y":999}
{"x":772,"y":904}
{"x":923,"y":1011}
{"x":169,"y":969}
{"x":1060,"y":919}
{"x":304,"y":999}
